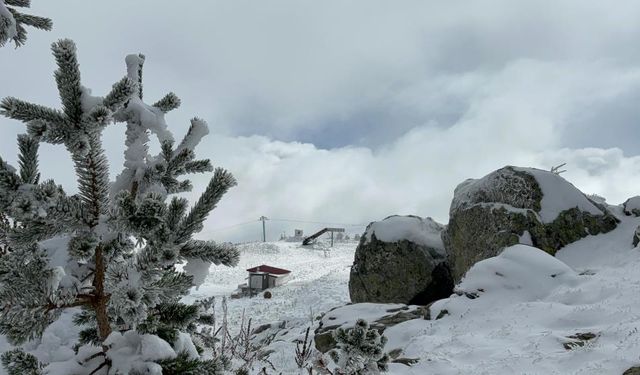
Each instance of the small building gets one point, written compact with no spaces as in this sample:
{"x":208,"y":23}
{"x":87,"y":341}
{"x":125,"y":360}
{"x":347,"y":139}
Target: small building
{"x":264,"y":277}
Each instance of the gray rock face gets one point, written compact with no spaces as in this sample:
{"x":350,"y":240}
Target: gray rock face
{"x":636,"y":237}
{"x":400,"y":260}
{"x":509,"y":206}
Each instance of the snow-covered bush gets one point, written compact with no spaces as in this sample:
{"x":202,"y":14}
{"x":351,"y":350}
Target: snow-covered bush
{"x":12,"y":22}
{"x":360,"y":350}
{"x":111,"y":249}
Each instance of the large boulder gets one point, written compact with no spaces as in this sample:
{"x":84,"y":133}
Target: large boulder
{"x":632,"y":206}
{"x":518,"y":205}
{"x":401,"y":259}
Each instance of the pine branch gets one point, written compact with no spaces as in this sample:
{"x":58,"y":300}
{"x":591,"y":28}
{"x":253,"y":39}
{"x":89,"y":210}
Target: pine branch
{"x":181,"y":187}
{"x":12,"y":25}
{"x":68,"y":79}
{"x":209,"y":251}
{"x":92,"y":170}
{"x":135,"y":65}
{"x":120,"y":93}
{"x":197,"y":130}
{"x":183,"y":365}
{"x":41,"y":23}
{"x":98,"y":117}
{"x":28,"y":159}
{"x":6,"y":26}
{"x":166,"y":150}
{"x":89,"y":336}
{"x":46,"y":132}
{"x":9,"y":180}
{"x":141,"y":60}
{"x":17,"y":362}
{"x":198,"y":166}
{"x":173,"y":285}
{"x":21,"y":37}
{"x":221,"y":182}
{"x":176,"y":210}
{"x":19,"y":3}
{"x":168,"y":103}
{"x":33,"y":231}
{"x":176,"y":314}
{"x":17,"y":109}
{"x":25,"y":297}
{"x":82,"y":300}
{"x":178,"y":161}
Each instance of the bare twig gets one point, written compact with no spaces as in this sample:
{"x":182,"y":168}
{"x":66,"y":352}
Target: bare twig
{"x":303,"y":351}
{"x":556,"y":169}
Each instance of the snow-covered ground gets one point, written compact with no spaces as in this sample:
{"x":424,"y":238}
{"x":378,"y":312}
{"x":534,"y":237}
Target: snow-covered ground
{"x":528,"y":306}
{"x":318,"y":282}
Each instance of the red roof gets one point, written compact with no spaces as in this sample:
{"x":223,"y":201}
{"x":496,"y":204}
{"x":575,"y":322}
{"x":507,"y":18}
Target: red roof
{"x":269,"y":269}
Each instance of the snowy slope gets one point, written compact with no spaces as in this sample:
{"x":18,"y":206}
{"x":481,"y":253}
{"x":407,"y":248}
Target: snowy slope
{"x":520,"y":327}
{"x":528,"y":305}
{"x":319,"y":278}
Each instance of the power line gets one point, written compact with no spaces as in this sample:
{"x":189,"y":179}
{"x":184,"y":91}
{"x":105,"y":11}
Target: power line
{"x":320,"y":222}
{"x":233,"y":226}
{"x":285,"y":220}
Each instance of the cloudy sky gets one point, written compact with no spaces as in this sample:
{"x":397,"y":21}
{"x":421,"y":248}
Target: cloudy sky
{"x":348,"y":111}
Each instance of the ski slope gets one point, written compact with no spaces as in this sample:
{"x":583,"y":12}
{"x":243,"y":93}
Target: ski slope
{"x":319,"y":279}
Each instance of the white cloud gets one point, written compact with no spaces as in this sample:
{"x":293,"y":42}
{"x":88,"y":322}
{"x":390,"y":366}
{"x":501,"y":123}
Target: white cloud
{"x":422,"y":94}
{"x":415,"y":175}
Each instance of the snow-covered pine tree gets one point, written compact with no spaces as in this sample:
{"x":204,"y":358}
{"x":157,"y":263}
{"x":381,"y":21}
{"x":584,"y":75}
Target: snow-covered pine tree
{"x":112,"y":249}
{"x":359,"y":350}
{"x":13,"y":22}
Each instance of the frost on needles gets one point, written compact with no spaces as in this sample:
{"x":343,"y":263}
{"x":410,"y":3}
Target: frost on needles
{"x":13,"y":22}
{"x":111,"y":249}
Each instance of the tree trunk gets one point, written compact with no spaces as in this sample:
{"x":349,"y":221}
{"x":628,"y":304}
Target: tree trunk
{"x":101,"y":300}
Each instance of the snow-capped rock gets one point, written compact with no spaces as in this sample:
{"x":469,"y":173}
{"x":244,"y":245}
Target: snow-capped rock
{"x":497,"y":210}
{"x":632,"y":206}
{"x":400,"y":259}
